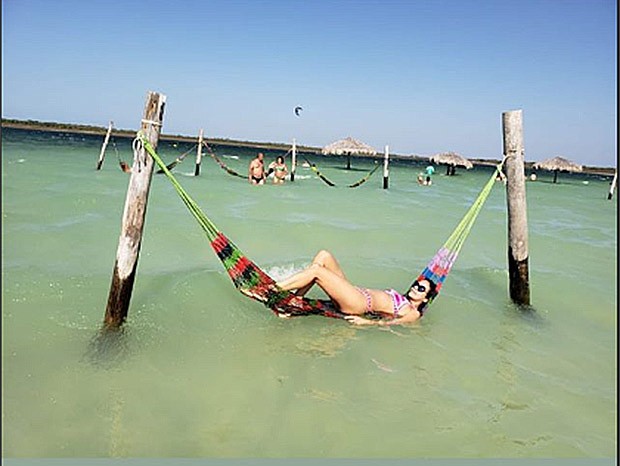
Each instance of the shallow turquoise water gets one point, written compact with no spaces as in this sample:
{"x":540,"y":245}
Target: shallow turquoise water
{"x":201,"y":371}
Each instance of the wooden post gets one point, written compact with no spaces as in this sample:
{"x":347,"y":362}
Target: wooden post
{"x":386,"y":171}
{"x":198,"y":154}
{"x":133,"y":216}
{"x":613,"y":186}
{"x":514,"y":167}
{"x":349,"y":161}
{"x":104,"y":145}
{"x":293,"y":160}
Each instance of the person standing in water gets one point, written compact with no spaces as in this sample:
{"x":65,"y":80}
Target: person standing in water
{"x":429,"y":172}
{"x":256,"y":170}
{"x":279,"y":170}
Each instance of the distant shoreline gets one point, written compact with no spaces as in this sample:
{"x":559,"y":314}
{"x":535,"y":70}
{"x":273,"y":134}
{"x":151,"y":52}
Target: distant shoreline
{"x":100,"y":130}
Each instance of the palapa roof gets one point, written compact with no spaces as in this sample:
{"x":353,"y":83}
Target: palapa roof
{"x":348,"y":146}
{"x":558,"y":163}
{"x":451,"y":158}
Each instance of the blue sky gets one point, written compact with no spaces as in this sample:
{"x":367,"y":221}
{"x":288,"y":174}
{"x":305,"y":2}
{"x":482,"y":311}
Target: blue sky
{"x":422,"y":76}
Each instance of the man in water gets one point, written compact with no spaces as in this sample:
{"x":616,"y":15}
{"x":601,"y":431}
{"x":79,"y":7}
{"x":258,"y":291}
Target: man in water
{"x":256,"y":170}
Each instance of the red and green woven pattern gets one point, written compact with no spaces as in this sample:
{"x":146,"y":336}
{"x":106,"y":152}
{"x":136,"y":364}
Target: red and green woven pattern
{"x":250,"y":280}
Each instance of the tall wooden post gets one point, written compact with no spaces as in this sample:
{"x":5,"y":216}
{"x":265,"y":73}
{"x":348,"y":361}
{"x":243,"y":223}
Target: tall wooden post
{"x":386,"y":171}
{"x":514,"y":167}
{"x":293,"y":161}
{"x":133,"y":216}
{"x":613,"y":186}
{"x":198,"y":154}
{"x":104,"y":145}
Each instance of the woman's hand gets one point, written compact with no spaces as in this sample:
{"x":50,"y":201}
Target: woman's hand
{"x":357,"y":320}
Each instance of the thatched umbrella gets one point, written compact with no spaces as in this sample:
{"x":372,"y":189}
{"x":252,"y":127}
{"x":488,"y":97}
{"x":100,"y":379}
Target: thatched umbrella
{"x":558,"y":164}
{"x":348,"y":147}
{"x":452,"y":160}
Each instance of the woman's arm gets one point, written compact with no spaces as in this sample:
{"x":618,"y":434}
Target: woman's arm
{"x":409,"y":318}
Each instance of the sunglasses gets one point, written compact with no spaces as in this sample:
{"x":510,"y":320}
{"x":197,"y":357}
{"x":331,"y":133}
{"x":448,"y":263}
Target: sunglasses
{"x":417,"y":286}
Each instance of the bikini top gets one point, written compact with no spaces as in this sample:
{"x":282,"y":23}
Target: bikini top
{"x":398,"y":301}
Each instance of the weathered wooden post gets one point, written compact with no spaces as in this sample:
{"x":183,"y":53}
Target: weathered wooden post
{"x":386,"y":171}
{"x":514,"y":167}
{"x":613,"y":186}
{"x":293,"y":160}
{"x":133,"y":216}
{"x":104,"y":145}
{"x":198,"y":154}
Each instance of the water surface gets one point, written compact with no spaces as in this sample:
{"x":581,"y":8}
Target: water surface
{"x":201,"y":371}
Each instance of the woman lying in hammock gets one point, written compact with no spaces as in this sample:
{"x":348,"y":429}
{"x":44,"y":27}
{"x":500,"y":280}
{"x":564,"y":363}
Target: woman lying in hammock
{"x":326,"y":273}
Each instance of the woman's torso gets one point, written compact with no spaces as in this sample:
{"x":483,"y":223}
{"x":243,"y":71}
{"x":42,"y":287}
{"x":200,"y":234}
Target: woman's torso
{"x":279,"y":171}
{"x":390,"y":302}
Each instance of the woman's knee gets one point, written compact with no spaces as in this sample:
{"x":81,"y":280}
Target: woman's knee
{"x":316,"y":272}
{"x":322,"y":256}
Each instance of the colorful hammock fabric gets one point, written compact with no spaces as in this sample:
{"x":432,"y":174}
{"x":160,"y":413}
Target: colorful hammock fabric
{"x":247,"y":277}
{"x":440,"y":265}
{"x":253,"y":282}
{"x":250,"y":280}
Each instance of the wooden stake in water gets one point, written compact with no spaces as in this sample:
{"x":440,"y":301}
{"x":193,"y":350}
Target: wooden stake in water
{"x":104,"y":145}
{"x":293,"y":160}
{"x":514,"y":167}
{"x":133,"y":216}
{"x":386,"y":171}
{"x":613,"y":186}
{"x":198,"y":154}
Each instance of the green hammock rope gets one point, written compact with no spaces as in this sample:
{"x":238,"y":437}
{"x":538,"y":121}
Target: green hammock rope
{"x":248,"y":278}
{"x":253,"y":282}
{"x":440,"y":265}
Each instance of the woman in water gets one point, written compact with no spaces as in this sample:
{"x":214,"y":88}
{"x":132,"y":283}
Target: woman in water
{"x":396,"y":308}
{"x":279,"y":170}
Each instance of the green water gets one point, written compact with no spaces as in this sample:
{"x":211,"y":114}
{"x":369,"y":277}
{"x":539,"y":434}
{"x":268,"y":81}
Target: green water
{"x":201,"y":371}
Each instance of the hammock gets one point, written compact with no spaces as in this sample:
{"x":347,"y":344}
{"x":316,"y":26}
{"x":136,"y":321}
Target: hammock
{"x":222,"y":165}
{"x":178,"y":160}
{"x":229,"y":170}
{"x":247,"y":277}
{"x":251,"y":281}
{"x":328,"y":182}
{"x":124,"y":166}
{"x":440,"y":265}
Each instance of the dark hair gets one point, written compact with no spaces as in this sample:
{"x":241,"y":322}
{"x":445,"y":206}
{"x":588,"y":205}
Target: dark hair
{"x":430,"y":293}
{"x":279,"y":157}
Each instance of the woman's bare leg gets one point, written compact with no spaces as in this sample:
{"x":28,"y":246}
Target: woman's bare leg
{"x":301,"y":281}
{"x":344,"y":294}
{"x":324,"y":259}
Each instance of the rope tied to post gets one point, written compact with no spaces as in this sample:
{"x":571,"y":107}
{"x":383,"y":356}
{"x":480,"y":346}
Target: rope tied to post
{"x":151,"y":122}
{"x":138,"y":148}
